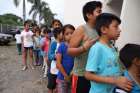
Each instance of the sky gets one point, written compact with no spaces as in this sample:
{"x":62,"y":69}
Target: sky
{"x":7,"y":6}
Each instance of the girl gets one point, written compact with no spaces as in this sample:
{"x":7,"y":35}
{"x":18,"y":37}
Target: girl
{"x":37,"y":47}
{"x":45,"y":49}
{"x":27,"y":44}
{"x":53,"y":71}
{"x":64,"y":61}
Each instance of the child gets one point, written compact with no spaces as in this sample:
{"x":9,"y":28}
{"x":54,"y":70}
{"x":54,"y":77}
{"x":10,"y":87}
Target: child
{"x":87,"y":35}
{"x":18,"y":42}
{"x":45,"y":48}
{"x":64,"y":61}
{"x":27,"y":44}
{"x":130,"y":58}
{"x":52,"y":75}
{"x":37,"y":46}
{"x":103,"y":68}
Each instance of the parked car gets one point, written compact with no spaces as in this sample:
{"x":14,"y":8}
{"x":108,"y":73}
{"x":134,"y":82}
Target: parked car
{"x":5,"y":38}
{"x":11,"y":32}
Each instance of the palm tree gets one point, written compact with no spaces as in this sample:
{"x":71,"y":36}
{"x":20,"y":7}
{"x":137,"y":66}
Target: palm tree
{"x":17,"y":2}
{"x":40,"y":8}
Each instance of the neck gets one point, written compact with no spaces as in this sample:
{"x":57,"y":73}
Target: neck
{"x":58,"y":40}
{"x":91,"y":24}
{"x":134,"y":71}
{"x":105,"y":40}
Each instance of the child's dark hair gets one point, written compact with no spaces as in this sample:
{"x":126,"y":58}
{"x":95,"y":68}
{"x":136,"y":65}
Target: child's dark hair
{"x":56,"y":20}
{"x":89,"y":7}
{"x":128,"y":53}
{"x":67,"y":26}
{"x":37,"y":29}
{"x":46,"y":30}
{"x":104,"y":20}
{"x":18,"y":32}
{"x":26,"y":22}
{"x":56,"y":32}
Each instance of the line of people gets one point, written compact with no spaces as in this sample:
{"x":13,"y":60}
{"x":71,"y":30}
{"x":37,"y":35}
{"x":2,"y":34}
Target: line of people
{"x":84,"y":60}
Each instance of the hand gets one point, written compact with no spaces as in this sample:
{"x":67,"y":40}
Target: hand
{"x":89,"y":42}
{"x":123,"y":83}
{"x":67,"y":78}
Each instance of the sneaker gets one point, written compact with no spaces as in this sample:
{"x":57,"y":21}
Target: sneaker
{"x":32,"y":67}
{"x":24,"y":68}
{"x":44,"y":76}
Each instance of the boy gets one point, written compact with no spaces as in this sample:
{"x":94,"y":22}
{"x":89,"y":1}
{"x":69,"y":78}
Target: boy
{"x":53,"y":71}
{"x":130,"y":58}
{"x":27,"y":44}
{"x":103,"y":69}
{"x":81,"y":40}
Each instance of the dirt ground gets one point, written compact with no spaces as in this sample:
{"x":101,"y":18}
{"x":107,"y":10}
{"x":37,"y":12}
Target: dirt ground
{"x":12,"y":79}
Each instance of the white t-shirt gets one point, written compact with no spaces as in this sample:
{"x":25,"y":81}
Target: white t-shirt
{"x":27,"y":38}
{"x":18,"y":38}
{"x":54,"y":69}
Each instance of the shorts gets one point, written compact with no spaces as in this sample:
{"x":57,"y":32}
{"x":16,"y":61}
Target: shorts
{"x":80,"y":84}
{"x":28,"y":48}
{"x":51,"y":81}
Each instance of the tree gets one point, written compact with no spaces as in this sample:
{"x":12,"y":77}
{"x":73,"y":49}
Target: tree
{"x":42,"y":9}
{"x":16,"y":2}
{"x":10,"y":19}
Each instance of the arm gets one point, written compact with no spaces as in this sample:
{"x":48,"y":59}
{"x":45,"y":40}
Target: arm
{"x":75,"y":41}
{"x":121,"y":81}
{"x":59,"y":65}
{"x":77,"y":37}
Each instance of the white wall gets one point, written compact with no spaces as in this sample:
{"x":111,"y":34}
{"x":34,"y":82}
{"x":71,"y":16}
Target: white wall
{"x":73,"y":10}
{"x":130,"y":23}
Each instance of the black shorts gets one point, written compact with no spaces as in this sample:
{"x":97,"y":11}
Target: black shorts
{"x":51,"y":81}
{"x":27,"y":48}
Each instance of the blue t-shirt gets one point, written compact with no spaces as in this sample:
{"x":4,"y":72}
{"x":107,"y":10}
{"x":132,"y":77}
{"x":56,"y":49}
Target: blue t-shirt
{"x":103,"y":61}
{"x":67,"y":60}
{"x":135,"y":88}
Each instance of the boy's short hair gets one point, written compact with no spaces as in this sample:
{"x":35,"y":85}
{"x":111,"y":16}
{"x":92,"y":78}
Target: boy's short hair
{"x":128,"y":53}
{"x":26,"y":22}
{"x":104,"y":20}
{"x":89,"y":7}
{"x":56,"y":32}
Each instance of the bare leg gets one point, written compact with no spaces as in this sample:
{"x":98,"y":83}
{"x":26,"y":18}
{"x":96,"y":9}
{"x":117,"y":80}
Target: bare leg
{"x":31,"y":58}
{"x":24,"y":58}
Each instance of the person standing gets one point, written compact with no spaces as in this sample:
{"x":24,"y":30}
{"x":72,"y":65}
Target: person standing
{"x":84,"y":36}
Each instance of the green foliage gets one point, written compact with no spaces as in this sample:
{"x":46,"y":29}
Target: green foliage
{"x":10,"y":19}
{"x":42,"y":9}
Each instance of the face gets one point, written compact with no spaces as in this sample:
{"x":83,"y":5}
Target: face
{"x":136,"y":65}
{"x":113,"y":31}
{"x":95,"y":13}
{"x":37,"y":33}
{"x":27,"y":26}
{"x":67,"y":34}
{"x":136,"y":62}
{"x":56,"y":25}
